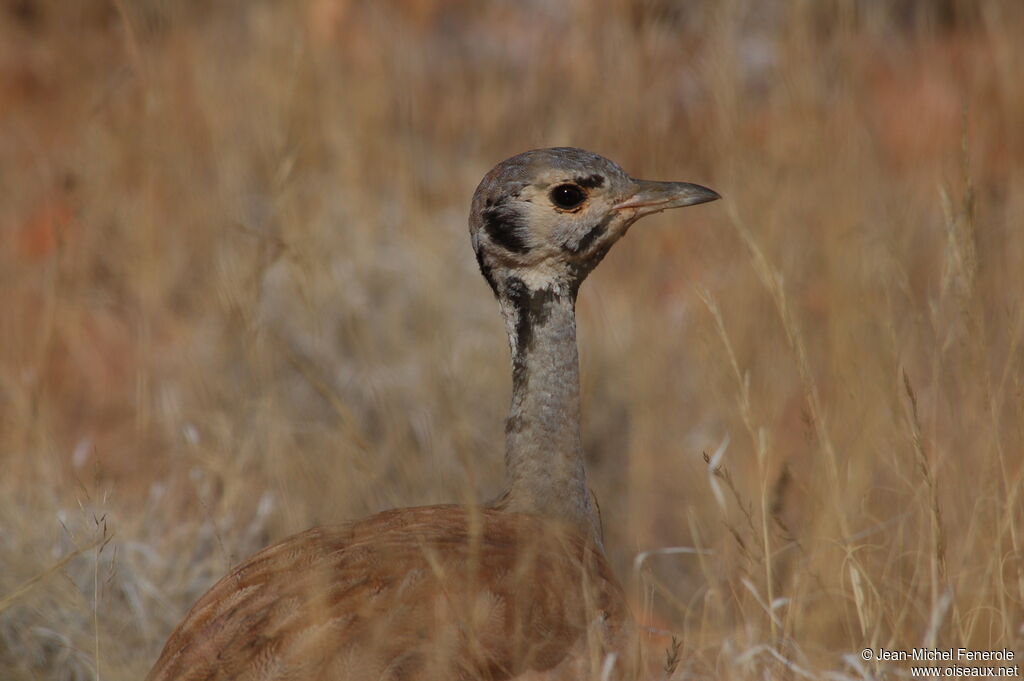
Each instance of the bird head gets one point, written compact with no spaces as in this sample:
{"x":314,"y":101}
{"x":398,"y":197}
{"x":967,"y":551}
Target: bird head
{"x":547,"y":217}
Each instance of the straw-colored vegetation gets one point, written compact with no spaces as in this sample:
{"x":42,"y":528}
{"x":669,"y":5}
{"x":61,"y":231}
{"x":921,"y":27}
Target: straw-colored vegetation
{"x":238,"y":299}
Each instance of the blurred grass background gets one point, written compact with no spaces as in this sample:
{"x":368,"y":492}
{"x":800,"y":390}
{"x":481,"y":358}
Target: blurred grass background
{"x":238,"y":299}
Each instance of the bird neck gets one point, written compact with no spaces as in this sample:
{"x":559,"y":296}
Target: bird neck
{"x":543,"y":452}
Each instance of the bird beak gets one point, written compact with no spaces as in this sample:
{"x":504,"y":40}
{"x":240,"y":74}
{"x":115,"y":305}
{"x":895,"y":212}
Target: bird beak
{"x":653,"y":197}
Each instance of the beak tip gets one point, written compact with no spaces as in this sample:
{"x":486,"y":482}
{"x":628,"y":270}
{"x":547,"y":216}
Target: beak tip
{"x":706,"y":195}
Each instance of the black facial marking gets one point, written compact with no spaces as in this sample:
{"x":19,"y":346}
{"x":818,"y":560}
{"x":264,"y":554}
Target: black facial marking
{"x":579,"y":269}
{"x":590,"y":181}
{"x":486,"y":270}
{"x":505,"y":226}
{"x":587,"y":239}
{"x":513,"y":424}
{"x":532,"y":307}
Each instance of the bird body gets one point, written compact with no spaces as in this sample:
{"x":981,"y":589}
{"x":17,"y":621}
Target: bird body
{"x":519,"y":589}
{"x":435,"y":592}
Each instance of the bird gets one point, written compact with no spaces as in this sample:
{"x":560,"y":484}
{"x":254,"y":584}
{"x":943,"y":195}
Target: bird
{"x":515,"y":588}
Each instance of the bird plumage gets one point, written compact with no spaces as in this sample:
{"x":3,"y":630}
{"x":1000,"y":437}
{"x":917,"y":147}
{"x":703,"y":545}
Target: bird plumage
{"x":437,"y":592}
{"x":518,"y":589}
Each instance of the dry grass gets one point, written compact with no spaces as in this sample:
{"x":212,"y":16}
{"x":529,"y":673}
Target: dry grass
{"x":239,"y":300}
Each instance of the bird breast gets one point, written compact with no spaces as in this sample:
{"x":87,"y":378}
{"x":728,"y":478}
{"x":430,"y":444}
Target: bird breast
{"x":438,"y":592}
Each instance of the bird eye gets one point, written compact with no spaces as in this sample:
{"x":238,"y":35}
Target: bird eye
{"x":568,"y":196}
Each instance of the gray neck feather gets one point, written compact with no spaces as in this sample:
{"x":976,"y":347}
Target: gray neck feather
{"x":543,"y":451}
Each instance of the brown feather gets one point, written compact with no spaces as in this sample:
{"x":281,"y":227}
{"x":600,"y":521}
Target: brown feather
{"x":436,"y":592}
